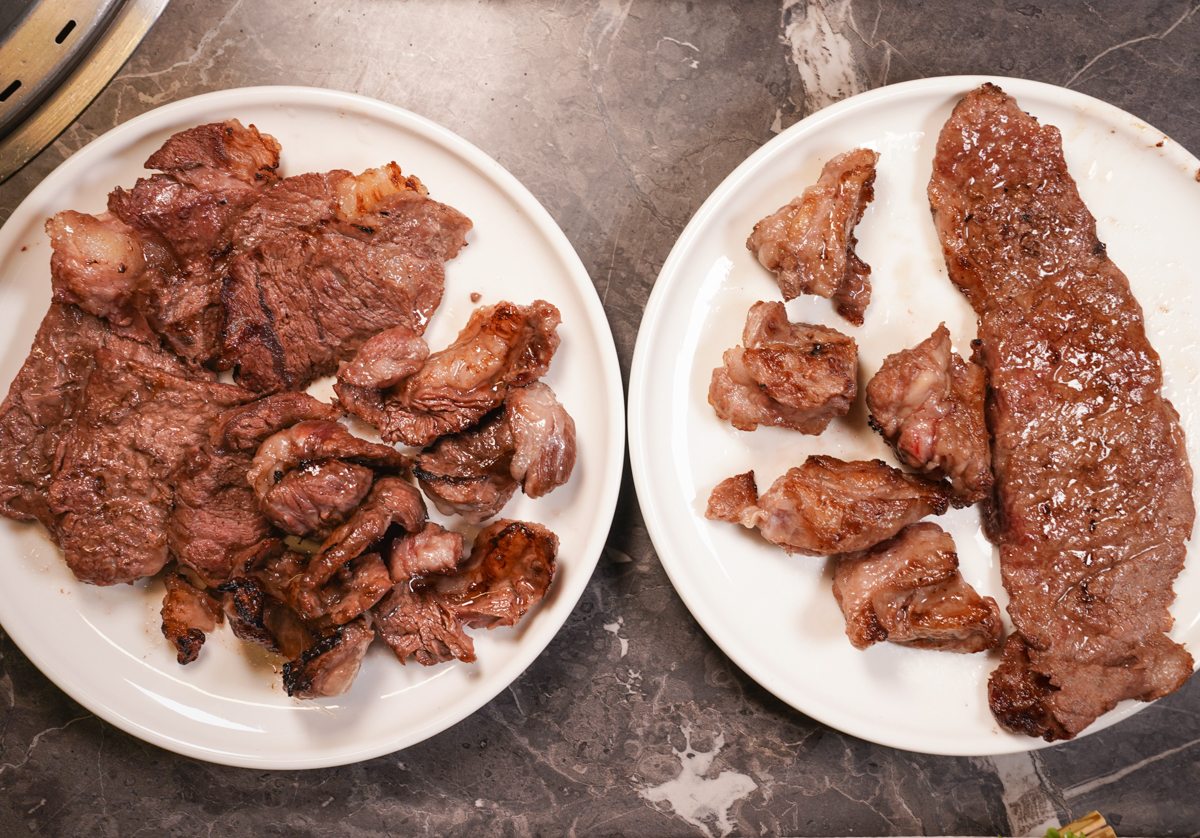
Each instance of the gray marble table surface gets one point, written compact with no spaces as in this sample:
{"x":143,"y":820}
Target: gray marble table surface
{"x":621,"y":116}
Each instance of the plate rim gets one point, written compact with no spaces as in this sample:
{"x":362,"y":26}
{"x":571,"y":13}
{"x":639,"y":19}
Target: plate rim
{"x":655,"y":311}
{"x":610,"y":467}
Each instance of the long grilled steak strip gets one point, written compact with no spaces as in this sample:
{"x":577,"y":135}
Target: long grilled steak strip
{"x":1093,"y":495}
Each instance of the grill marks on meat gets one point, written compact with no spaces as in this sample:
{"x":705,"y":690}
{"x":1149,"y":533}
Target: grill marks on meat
{"x":510,"y":569}
{"x":829,"y":506}
{"x":502,"y":346}
{"x":324,"y":261}
{"x":792,"y":375}
{"x":184,"y":218}
{"x":188,"y":615}
{"x":112,"y":491}
{"x":927,"y":402}
{"x":809,"y":243}
{"x":1093,"y":496}
{"x":530,"y":443}
{"x":908,"y":590}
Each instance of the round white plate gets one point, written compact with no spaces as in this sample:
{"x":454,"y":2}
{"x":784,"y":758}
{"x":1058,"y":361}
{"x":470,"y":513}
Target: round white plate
{"x":775,"y":614}
{"x":103,"y":645}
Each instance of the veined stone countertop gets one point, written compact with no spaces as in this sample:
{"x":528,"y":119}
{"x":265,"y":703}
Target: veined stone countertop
{"x":621,"y":116}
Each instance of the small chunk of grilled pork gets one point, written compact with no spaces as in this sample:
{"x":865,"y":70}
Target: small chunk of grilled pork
{"x":188,"y":615}
{"x":530,"y":443}
{"x":828,"y":506}
{"x":792,"y":375}
{"x":928,"y":404}
{"x":501,"y":347}
{"x":809,"y":243}
{"x":309,"y":477}
{"x":328,"y":667}
{"x":908,"y":590}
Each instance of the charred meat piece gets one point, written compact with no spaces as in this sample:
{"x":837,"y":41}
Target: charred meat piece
{"x":928,"y":404}
{"x":328,"y":667}
{"x":1093,"y":490}
{"x":908,"y":590}
{"x":809,"y":243}
{"x":112,"y":491}
{"x":45,"y":398}
{"x":188,"y":615}
{"x":530,"y":443}
{"x":355,"y":587}
{"x":321,"y":262}
{"x":432,"y":550}
{"x":509,"y":571}
{"x":792,"y":375}
{"x":501,"y":347}
{"x":309,"y":477}
{"x":392,"y":501}
{"x":829,"y":506}
{"x":184,"y":217}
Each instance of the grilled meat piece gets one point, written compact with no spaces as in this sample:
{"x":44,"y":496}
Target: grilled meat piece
{"x":829,"y":506}
{"x":908,"y":590}
{"x":188,"y":615}
{"x":112,"y":491}
{"x":328,"y":667}
{"x":386,"y":359}
{"x":321,"y":262}
{"x":792,"y":375}
{"x":530,"y":443}
{"x":1093,"y":492}
{"x":928,"y":404}
{"x":502,"y":346}
{"x":432,"y":550}
{"x":809,"y":243}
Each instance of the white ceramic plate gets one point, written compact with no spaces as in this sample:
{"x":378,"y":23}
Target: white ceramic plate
{"x":103,"y":645}
{"x":775,"y":615}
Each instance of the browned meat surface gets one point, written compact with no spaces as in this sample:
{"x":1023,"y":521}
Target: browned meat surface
{"x":530,"y":443}
{"x":392,"y":501}
{"x":329,"y":666}
{"x":829,"y":506}
{"x":1093,"y":498}
{"x":245,"y":428}
{"x":44,"y":399}
{"x":792,"y":375}
{"x":509,"y":571}
{"x":928,"y":404}
{"x":386,"y":359}
{"x":415,"y":623}
{"x":112,"y":492}
{"x":432,"y":550}
{"x":908,"y":590}
{"x":217,"y":515}
{"x":309,"y":477}
{"x":502,"y":346}
{"x":809,"y":243}
{"x":321,"y":262}
{"x":184,"y":218}
{"x":253,"y":600}
{"x":188,"y":615}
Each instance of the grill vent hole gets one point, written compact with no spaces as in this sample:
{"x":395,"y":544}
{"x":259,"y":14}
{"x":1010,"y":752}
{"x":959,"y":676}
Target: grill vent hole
{"x":10,"y":90}
{"x":64,"y":32}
